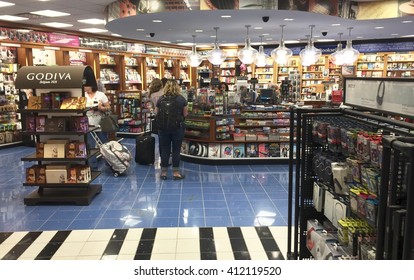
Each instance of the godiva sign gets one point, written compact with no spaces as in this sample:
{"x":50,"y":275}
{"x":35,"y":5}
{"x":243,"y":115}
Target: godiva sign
{"x":33,"y":77}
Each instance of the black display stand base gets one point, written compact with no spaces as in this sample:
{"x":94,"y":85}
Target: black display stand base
{"x":80,"y":196}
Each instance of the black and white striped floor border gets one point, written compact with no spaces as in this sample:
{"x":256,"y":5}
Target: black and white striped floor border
{"x":205,"y":243}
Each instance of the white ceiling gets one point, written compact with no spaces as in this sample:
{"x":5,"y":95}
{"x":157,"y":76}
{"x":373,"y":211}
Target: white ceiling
{"x":178,"y":27}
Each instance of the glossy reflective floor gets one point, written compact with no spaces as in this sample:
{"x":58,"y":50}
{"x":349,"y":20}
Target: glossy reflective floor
{"x":209,"y":196}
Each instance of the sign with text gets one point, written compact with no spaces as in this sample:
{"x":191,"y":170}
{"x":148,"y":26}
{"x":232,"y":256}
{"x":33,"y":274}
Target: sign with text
{"x":395,"y":96}
{"x":63,"y":40}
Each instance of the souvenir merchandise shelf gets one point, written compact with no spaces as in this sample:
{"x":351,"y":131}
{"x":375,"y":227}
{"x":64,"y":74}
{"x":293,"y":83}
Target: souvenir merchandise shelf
{"x":371,"y":65}
{"x":61,"y":174}
{"x":255,"y":135}
{"x":152,"y":70}
{"x":185,"y":72}
{"x":313,"y":75}
{"x":133,"y":73}
{"x":130,"y":112}
{"x":264,"y":75}
{"x":228,"y":71}
{"x":170,"y":68}
{"x":400,"y":65}
{"x":284,"y":71}
{"x":362,"y":201}
{"x":10,"y":123}
{"x":110,"y":71}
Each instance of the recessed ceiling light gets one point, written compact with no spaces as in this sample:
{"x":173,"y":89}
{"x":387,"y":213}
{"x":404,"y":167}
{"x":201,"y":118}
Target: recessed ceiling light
{"x":395,"y":34}
{"x":292,"y":41}
{"x":407,"y":21}
{"x":92,"y":21}
{"x":6,"y":4}
{"x":12,"y":18}
{"x":56,"y":24}
{"x":325,"y":40}
{"x":258,"y":28}
{"x":359,"y":37}
{"x":116,"y":35}
{"x":265,"y":34}
{"x":269,"y":39}
{"x":213,"y":36}
{"x":288,"y":19}
{"x":379,"y":27}
{"x":336,"y":24}
{"x":140,"y":29}
{"x":165,"y":42}
{"x":148,"y":36}
{"x":226,"y":16}
{"x":156,"y":20}
{"x":198,"y":30}
{"x":93,"y":30}
{"x":406,"y":36}
{"x":50,"y":13}
{"x":179,"y":40}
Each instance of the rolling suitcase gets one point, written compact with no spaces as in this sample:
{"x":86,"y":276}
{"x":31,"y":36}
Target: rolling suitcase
{"x":145,"y":150}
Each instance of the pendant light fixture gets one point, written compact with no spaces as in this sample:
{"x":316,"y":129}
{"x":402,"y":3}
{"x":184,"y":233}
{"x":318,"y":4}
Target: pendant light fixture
{"x":261,"y":57}
{"x":310,"y":55}
{"x":337,"y":57}
{"x":350,"y":55}
{"x":216,"y":56}
{"x":247,"y":55}
{"x":281,"y":54}
{"x":194,"y":59}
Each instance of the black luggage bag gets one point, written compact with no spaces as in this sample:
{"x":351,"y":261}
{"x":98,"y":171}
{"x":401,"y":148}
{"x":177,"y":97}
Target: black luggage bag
{"x":145,"y":150}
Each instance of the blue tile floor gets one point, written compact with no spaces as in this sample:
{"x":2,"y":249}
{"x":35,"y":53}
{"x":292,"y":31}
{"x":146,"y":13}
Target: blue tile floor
{"x":240,"y":195}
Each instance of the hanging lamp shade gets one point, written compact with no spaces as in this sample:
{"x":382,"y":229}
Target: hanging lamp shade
{"x":262,"y":59}
{"x":194,"y":59}
{"x":310,"y":54}
{"x":350,"y":55}
{"x":216,"y":56}
{"x":337,"y":57}
{"x":281,"y":54}
{"x":247,"y":55}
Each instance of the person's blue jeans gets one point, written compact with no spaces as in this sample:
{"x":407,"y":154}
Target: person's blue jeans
{"x":170,"y":142}
{"x":93,"y":161}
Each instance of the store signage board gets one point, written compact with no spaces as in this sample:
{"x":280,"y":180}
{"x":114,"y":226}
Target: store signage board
{"x":387,"y":95}
{"x":37,"y":77}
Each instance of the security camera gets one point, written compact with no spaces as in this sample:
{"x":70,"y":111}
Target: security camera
{"x":324,"y":33}
{"x":152,"y":34}
{"x":265,"y":19}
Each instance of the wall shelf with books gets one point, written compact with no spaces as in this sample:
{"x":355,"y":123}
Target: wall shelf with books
{"x":371,"y":65}
{"x":133,"y":73}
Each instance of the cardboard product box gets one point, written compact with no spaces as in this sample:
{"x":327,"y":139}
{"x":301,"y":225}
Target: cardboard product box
{"x":34,"y":103}
{"x":83,"y":174}
{"x":80,"y":124}
{"x":56,"y":124}
{"x":56,"y":174}
{"x":40,"y":149}
{"x":56,"y":150}
{"x":340,"y":211}
{"x":9,"y":136}
{"x":81,"y":150}
{"x":31,"y":123}
{"x":329,"y":206}
{"x":40,"y":123}
{"x":74,"y":103}
{"x":46,"y":100}
{"x":72,"y":175}
{"x":71,"y":150}
{"x":31,"y":174}
{"x":41,"y":174}
{"x":57,"y":98}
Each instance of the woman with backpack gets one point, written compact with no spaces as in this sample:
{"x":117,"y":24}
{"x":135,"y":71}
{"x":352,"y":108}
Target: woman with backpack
{"x":171,"y":110}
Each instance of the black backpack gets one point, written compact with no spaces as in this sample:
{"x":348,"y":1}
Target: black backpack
{"x":168,"y":116}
